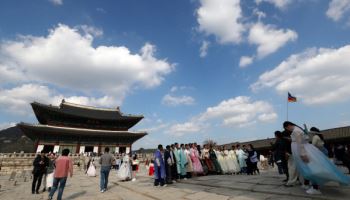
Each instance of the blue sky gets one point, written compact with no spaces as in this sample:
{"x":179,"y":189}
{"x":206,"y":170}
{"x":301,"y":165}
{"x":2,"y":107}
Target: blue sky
{"x":196,"y":69}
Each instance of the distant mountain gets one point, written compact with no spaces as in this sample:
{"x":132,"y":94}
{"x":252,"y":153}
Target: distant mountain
{"x":13,"y":140}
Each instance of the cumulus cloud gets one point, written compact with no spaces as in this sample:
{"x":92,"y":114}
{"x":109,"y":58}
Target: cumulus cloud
{"x":238,"y":112}
{"x":281,"y":4}
{"x":66,"y":59}
{"x":315,"y":76}
{"x":57,"y":2}
{"x":269,"y":39}
{"x":172,"y":100}
{"x":221,"y":18}
{"x":337,"y":9}
{"x":245,"y":61}
{"x":17,"y":100}
{"x":203,"y":51}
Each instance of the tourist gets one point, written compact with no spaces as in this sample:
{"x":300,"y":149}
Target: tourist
{"x":106,"y":164}
{"x":169,"y":162}
{"x":207,"y":161}
{"x":279,"y":149}
{"x":174,"y":174}
{"x":64,"y":166}
{"x":177,"y":157}
{"x":124,"y":172}
{"x":40,"y":163}
{"x":189,"y":166}
{"x":196,"y":163}
{"x":291,"y":167}
{"x":312,"y":164}
{"x":233,"y":159}
{"x":252,"y":160}
{"x":182,"y":161}
{"x":159,"y":167}
{"x":318,"y":141}
{"x":221,"y":160}
{"x":135,"y":163}
{"x":151,"y":168}
{"x":91,"y":168}
{"x":50,"y":171}
{"x":214,"y":160}
{"x":228,"y":160}
{"x":242,"y":156}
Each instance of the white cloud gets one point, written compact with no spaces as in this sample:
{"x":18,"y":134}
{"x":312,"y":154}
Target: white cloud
{"x":269,"y":39}
{"x":178,"y":130}
{"x":221,"y":18}
{"x":337,"y":9}
{"x":316,"y":76}
{"x":17,"y":100}
{"x":204,"y":49}
{"x":172,"y":100}
{"x":245,"y":61}
{"x":66,"y":59}
{"x":57,"y":2}
{"x":6,"y":125}
{"x":238,"y":112}
{"x":281,"y":4}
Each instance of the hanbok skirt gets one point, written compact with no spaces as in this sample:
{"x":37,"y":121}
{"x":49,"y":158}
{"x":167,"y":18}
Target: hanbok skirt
{"x":319,"y":170}
{"x":49,"y":180}
{"x":151,"y":171}
{"x":197,"y":166}
{"x":223,"y":164}
{"x":124,"y":172}
{"x":91,"y":171}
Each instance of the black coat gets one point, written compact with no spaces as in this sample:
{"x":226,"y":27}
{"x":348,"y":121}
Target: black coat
{"x":280,"y":148}
{"x":40,"y":165}
{"x":166,"y":157}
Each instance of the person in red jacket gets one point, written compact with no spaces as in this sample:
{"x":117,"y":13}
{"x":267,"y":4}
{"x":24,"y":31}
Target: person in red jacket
{"x":64,"y":166}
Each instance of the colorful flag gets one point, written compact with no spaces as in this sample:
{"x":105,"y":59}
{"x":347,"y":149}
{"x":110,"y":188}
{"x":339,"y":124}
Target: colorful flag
{"x":291,"y":98}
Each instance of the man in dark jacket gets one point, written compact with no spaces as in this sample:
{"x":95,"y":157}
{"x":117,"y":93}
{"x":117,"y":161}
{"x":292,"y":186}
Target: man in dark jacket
{"x":174,"y":174}
{"x":169,"y":162}
{"x":40,"y":164}
{"x":280,"y":149}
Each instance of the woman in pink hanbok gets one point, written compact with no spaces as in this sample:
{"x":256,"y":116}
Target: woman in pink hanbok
{"x":196,"y":163}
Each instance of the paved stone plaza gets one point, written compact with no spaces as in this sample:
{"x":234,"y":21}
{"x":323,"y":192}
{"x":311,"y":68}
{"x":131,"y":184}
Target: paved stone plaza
{"x":267,"y":185}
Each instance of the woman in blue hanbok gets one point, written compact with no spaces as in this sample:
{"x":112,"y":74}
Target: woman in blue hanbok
{"x":311,"y":163}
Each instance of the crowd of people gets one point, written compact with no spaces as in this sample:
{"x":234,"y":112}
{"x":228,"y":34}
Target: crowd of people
{"x":183,"y":161}
{"x":302,"y":159}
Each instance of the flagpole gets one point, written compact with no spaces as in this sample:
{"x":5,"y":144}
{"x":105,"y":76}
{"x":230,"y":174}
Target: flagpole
{"x":287,"y":108}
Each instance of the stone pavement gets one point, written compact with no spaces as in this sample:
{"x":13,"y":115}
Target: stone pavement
{"x":267,"y":186}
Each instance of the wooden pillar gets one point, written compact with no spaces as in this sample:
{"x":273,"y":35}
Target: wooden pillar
{"x":78,"y":148}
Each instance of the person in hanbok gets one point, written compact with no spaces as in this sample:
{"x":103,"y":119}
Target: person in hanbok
{"x":252,"y":161}
{"x":159,"y":167}
{"x":220,"y":157}
{"x":311,"y":163}
{"x":151,"y":168}
{"x":124,"y":172}
{"x":169,"y":162}
{"x":207,"y":161}
{"x":91,"y":168}
{"x":182,"y":161}
{"x":214,"y":160}
{"x":50,"y":172}
{"x":189,"y":166}
{"x":177,"y":158}
{"x":229,"y":163}
{"x":233,"y":158}
{"x":173,"y":154}
{"x":242,"y":156}
{"x":196,"y":163}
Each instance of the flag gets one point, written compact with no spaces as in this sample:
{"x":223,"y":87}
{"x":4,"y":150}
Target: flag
{"x":291,"y":98}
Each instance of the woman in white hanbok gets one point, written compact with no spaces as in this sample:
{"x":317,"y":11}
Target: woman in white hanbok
{"x":234,"y":161}
{"x":221,"y":160}
{"x":91,"y":168}
{"x":124,"y":172}
{"x":228,"y":160}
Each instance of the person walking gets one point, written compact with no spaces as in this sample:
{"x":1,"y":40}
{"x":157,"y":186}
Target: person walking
{"x":40,"y":163}
{"x":64,"y":166}
{"x":106,"y":164}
